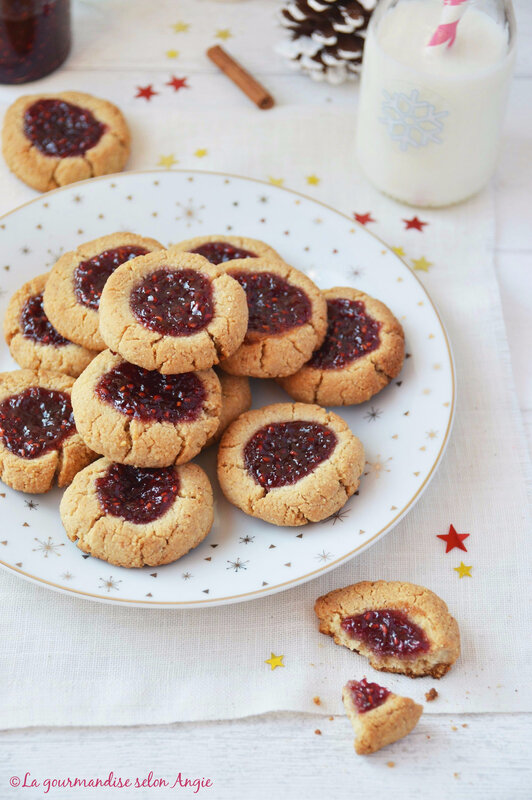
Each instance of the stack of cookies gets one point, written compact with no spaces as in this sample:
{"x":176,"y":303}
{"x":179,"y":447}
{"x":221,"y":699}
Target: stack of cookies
{"x":118,"y":344}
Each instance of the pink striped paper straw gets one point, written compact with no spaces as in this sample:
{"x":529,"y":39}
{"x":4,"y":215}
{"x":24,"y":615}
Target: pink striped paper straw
{"x":445,"y":33}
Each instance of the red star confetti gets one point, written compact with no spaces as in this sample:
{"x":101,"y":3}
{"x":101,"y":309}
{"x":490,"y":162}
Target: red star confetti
{"x":415,"y":223}
{"x":364,"y":218}
{"x":453,"y":539}
{"x":178,"y":83}
{"x":146,"y":92}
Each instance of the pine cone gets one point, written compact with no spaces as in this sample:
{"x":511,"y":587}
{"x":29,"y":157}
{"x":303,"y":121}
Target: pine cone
{"x":326,"y":37}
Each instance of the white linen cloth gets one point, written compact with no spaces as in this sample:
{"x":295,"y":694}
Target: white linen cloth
{"x":68,"y":661}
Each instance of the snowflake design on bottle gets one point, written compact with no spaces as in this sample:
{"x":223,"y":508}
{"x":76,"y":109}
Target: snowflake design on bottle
{"x":410,"y":121}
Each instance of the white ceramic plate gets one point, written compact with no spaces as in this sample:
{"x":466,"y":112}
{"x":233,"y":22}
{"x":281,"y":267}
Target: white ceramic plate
{"x":404,"y":429}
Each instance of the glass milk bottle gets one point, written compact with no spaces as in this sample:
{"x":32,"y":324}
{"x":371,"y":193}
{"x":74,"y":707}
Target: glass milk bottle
{"x":430,"y":118}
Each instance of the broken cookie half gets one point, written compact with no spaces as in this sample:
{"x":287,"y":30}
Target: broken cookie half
{"x":399,"y":627}
{"x":378,"y":716}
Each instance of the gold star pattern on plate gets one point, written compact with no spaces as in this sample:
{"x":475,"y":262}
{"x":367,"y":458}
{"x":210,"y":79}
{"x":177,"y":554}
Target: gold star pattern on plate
{"x":398,"y":251}
{"x":167,"y":161}
{"x":463,"y":570}
{"x":223,"y":34}
{"x":276,"y":181}
{"x":172,"y":54}
{"x":421,"y":264}
{"x":275,"y":661}
{"x":432,"y":434}
{"x":201,"y":152}
{"x":313,"y":180}
{"x":180,"y":27}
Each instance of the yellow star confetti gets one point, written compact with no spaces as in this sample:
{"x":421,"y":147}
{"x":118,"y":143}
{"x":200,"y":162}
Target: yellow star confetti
{"x":462,"y":571}
{"x":421,"y":264}
{"x":313,"y":180}
{"x":275,"y":661}
{"x":172,"y":54}
{"x":276,"y":181}
{"x":201,"y":153}
{"x":223,"y":33}
{"x":167,"y":161}
{"x":398,"y":251}
{"x":180,"y":27}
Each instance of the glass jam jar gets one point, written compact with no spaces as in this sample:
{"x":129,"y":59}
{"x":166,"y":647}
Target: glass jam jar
{"x":34,"y":38}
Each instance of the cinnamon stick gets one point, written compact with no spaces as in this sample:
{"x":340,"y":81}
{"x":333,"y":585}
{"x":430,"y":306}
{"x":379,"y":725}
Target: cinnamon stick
{"x":241,"y":77}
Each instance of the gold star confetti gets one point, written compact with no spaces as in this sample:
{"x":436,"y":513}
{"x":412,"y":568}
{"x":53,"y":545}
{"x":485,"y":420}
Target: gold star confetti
{"x":180,"y":27}
{"x":275,"y":661}
{"x":462,"y":571}
{"x":421,"y":264}
{"x":313,"y":180}
{"x":223,"y":33}
{"x":167,"y":161}
{"x":201,"y":152}
{"x":172,"y":54}
{"x":276,"y":181}
{"x":432,"y":434}
{"x":398,"y":251}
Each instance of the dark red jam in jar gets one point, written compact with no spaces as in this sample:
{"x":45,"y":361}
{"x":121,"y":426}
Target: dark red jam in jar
{"x":220,"y":252}
{"x":388,"y":632}
{"x":173,"y":302}
{"x":61,"y":129}
{"x":351,"y":333}
{"x":91,"y":276}
{"x":36,"y":325}
{"x":35,"y":421}
{"x":282,"y":453}
{"x":151,"y":397}
{"x":274,"y":305}
{"x":34,"y":38}
{"x":367,"y":696}
{"x":136,"y":494}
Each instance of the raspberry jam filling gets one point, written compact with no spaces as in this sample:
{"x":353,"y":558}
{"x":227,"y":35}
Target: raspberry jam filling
{"x":59,"y":128}
{"x":220,"y":252}
{"x":151,"y":397}
{"x":137,"y":495}
{"x":90,"y":276}
{"x":387,"y":632}
{"x":367,"y":696}
{"x":35,"y":421}
{"x":36,"y":325}
{"x":173,"y":302}
{"x":282,"y":453}
{"x":274,"y":304}
{"x":351,"y":333}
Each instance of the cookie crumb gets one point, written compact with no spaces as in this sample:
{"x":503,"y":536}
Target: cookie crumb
{"x":331,"y":719}
{"x":465,"y":725}
{"x":316,"y":700}
{"x":454,"y":728}
{"x":456,"y":774}
{"x":431,"y":695}
{"x":390,"y":764}
{"x":317,"y":732}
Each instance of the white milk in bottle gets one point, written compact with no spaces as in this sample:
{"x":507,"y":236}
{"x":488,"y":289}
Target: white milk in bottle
{"x":430,"y":119}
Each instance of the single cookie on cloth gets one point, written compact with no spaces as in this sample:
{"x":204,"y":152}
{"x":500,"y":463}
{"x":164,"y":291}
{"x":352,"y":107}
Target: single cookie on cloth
{"x":141,"y":417}
{"x":378,"y":716}
{"x":173,"y":311}
{"x":38,"y":437}
{"x":399,"y":627}
{"x":49,"y":140}
{"x":287,"y":319}
{"x":33,"y":341}
{"x":133,"y":516}
{"x":220,"y":249}
{"x":289,"y":463}
{"x":74,"y":288}
{"x":362,"y":352}
{"x":236,"y":398}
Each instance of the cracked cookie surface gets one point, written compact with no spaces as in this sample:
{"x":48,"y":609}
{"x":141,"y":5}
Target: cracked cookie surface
{"x":399,"y":627}
{"x":141,"y":417}
{"x":236,"y":398}
{"x":37,"y":129}
{"x":219,"y":249}
{"x":106,"y":512}
{"x":269,"y":468}
{"x":287,"y":319}
{"x":362,"y":352}
{"x":33,"y":341}
{"x":173,"y":311}
{"x":39,"y":442}
{"x":73,"y":290}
